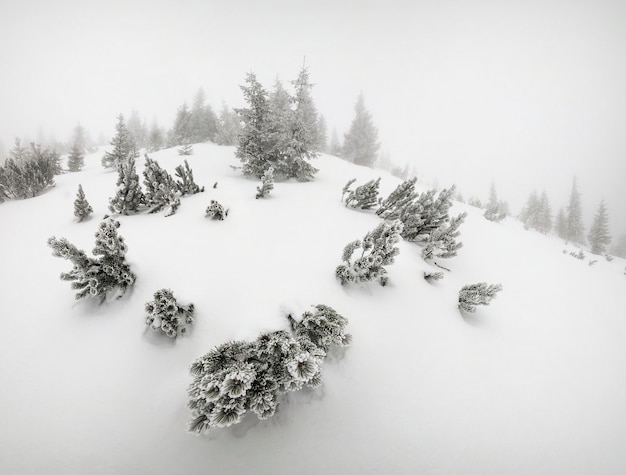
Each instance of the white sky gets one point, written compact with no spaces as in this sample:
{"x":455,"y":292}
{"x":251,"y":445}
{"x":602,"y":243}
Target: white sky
{"x":527,"y":92}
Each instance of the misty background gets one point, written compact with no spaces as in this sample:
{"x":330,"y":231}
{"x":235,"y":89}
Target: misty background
{"x":528,"y":94}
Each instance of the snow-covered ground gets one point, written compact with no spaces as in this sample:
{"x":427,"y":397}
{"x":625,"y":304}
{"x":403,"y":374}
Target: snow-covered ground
{"x":534,"y":383}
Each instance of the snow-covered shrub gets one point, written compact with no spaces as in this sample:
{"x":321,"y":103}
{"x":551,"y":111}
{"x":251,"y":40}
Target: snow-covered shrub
{"x":165,"y":314}
{"x":364,"y":196}
{"x":28,"y":177}
{"x":404,"y":194}
{"x":378,"y":250}
{"x":477,"y":294}
{"x":216,"y":211}
{"x":161,"y":190}
{"x":128,"y":196}
{"x":425,"y":214}
{"x":578,"y":255}
{"x":494,"y":214}
{"x":82,"y":208}
{"x":100,"y":275}
{"x":240,"y":376}
{"x":442,"y":241}
{"x":433,"y":276}
{"x":185,"y":149}
{"x":267,"y":183}
{"x":186,"y":184}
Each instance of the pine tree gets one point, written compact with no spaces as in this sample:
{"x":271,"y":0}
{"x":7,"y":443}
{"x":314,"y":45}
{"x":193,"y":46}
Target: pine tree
{"x":267,"y":183}
{"x":166,"y":315}
{"x":181,"y":133}
{"x":360,"y":143}
{"x":364,"y":196}
{"x":561,"y":224}
{"x":186,"y":184}
{"x":185,"y":150}
{"x":442,"y":241}
{"x":137,"y":130}
{"x":76,"y":159}
{"x":335,"y":147}
{"x":122,"y":144}
{"x":599,"y":237}
{"x":160,"y":188}
{"x":425,"y":214}
{"x":18,"y":153}
{"x":530,"y":212}
{"x":575,"y":229}
{"x":155,"y":138}
{"x":228,"y":127}
{"x":128,"y":196}
{"x":404,"y":194}
{"x":82,"y":208}
{"x":97,"y":276}
{"x":255,"y":141}
{"x":306,"y":112}
{"x":493,"y":211}
{"x":378,"y":250}
{"x":322,"y":139}
{"x":477,"y":294}
{"x":544,"y":216}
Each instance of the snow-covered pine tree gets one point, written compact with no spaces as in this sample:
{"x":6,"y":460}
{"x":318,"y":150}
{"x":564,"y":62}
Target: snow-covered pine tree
{"x":364,"y":196}
{"x":156,"y":140}
{"x":186,"y":149}
{"x":122,"y":144}
{"x":255,"y":141}
{"x":166,"y":315}
{"x":82,"y":208}
{"x":180,"y":133}
{"x":160,"y":188}
{"x":425,"y":214}
{"x":544,"y":215}
{"x":529,"y":214}
{"x":239,"y":377}
{"x":399,"y":198}
{"x":494,"y":211}
{"x":128,"y":197}
{"x":18,"y":153}
{"x":431,"y":277}
{"x":306,"y":113}
{"x":216,"y":211}
{"x":76,"y":158}
{"x":334,"y":147}
{"x":442,"y":240}
{"x":267,"y":183}
{"x":599,"y":237}
{"x":575,"y":228}
{"x":378,"y":250}
{"x":186,"y":184}
{"x":137,"y":130}
{"x":97,"y":276}
{"x":477,"y":294}
{"x":360,"y":143}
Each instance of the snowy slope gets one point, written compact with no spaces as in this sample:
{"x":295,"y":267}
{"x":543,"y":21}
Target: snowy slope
{"x":533,"y":383}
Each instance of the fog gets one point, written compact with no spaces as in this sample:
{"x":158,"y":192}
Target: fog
{"x":526,"y":93}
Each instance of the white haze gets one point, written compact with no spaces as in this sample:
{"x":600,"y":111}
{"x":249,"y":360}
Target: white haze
{"x":526,"y":93}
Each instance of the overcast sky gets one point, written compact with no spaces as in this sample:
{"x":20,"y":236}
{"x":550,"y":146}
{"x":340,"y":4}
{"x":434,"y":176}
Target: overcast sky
{"x":529,"y":93}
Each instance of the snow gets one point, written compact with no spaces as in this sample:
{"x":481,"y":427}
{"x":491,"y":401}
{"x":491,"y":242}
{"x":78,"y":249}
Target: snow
{"x":533,"y":383}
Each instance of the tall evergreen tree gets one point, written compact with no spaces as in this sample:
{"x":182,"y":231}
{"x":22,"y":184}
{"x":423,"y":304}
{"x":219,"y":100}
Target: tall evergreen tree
{"x":122,"y":144}
{"x":335,"y":147}
{"x":544,"y":218}
{"x":561,"y":224}
{"x":18,"y":153}
{"x":181,"y":132}
{"x":306,"y":112}
{"x":360,"y":143}
{"x":137,"y":129}
{"x":575,"y":228}
{"x":599,"y":237}
{"x":156,"y":140}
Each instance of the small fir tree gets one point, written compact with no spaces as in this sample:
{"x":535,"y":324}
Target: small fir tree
{"x":122,"y":144}
{"x":128,"y":197}
{"x":167,"y":316}
{"x":477,"y":294}
{"x":561,"y":224}
{"x":82,"y":208}
{"x":228,"y":127}
{"x":97,"y":276}
{"x":364,"y":196}
{"x":216,"y":211}
{"x":186,"y":149}
{"x":156,"y":139}
{"x":76,"y":158}
{"x":378,"y":250}
{"x":599,"y":237}
{"x":267,"y":183}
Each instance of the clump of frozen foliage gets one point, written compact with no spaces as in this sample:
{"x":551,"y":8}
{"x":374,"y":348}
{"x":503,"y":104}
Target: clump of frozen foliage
{"x":433,"y":276}
{"x":107,"y":271}
{"x":404,"y":194}
{"x":378,"y":249}
{"x":160,"y":188}
{"x":216,"y":211}
{"x":477,"y":294}
{"x":186,"y":184}
{"x":240,"y":376}
{"x":364,"y":196}
{"x":267,"y":183}
{"x":166,"y":315}
{"x":82,"y":208}
{"x":442,"y":241}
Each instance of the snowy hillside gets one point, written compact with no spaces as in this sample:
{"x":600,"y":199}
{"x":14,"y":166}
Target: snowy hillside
{"x":533,"y":383}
